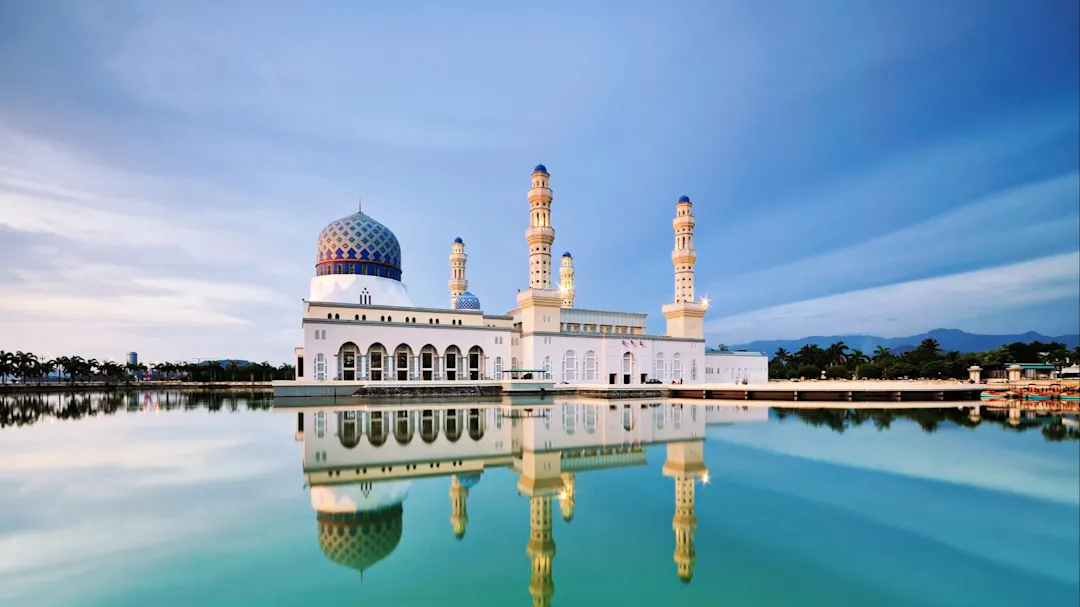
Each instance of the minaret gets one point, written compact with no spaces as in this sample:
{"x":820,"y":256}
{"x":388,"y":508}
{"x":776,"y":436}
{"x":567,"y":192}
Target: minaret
{"x":541,"y":550}
{"x":540,"y":234}
{"x":684,"y":316}
{"x":539,"y":304}
{"x":540,"y":480}
{"x":566,"y":498}
{"x":685,"y":464}
{"x":458,"y":283}
{"x":459,"y":514}
{"x":566,"y":280}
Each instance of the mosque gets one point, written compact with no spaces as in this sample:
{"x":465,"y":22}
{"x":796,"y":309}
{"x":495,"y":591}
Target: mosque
{"x":360,"y":464}
{"x":360,"y":324}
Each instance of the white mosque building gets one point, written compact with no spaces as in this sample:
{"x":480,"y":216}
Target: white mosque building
{"x":360,"y":325}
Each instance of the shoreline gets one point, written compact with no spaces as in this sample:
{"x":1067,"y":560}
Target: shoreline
{"x":187,"y":386}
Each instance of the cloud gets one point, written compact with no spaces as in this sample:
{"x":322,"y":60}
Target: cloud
{"x":912,"y":307}
{"x":1041,"y":216}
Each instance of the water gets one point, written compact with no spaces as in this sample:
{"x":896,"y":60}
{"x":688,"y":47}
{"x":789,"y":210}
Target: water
{"x":172,"y":499}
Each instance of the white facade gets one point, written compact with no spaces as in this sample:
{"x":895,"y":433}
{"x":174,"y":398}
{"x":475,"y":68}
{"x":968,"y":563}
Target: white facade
{"x":359,"y":323}
{"x":736,"y":367}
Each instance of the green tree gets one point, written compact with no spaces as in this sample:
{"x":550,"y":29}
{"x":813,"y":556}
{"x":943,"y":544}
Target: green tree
{"x":809,"y":372}
{"x":934,"y":369}
{"x":902,"y":369}
{"x":837,"y":372}
{"x":870,"y":371}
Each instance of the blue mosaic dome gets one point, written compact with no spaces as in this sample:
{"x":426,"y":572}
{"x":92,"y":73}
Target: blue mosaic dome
{"x":567,"y":254}
{"x":358,"y":244}
{"x":467,"y":301}
{"x":684,"y":198}
{"x":459,"y":240}
{"x":469,"y":479}
{"x":540,"y":169}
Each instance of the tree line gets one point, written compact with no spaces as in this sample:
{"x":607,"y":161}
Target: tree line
{"x":927,"y":360}
{"x":27,"y":367}
{"x":28,"y":409}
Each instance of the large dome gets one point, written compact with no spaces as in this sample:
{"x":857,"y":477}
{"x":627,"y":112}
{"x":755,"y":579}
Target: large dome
{"x":362,"y":539}
{"x":358,"y":244}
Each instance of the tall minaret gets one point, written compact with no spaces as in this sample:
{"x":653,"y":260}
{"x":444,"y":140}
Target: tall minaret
{"x":566,"y":280}
{"x":539,"y":304}
{"x":540,"y":234}
{"x":458,"y":283}
{"x":684,"y":316}
{"x":685,"y":464}
{"x":459,"y":514}
{"x":684,"y":255}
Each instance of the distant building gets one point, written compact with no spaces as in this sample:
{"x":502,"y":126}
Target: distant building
{"x":132,"y":358}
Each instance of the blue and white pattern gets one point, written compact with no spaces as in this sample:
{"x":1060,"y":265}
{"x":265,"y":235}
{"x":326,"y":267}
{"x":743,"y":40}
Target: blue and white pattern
{"x":467,"y":301}
{"x":469,"y":479}
{"x":359,"y":238}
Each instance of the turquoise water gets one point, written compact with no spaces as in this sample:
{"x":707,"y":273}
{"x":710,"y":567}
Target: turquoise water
{"x":217,"y":501}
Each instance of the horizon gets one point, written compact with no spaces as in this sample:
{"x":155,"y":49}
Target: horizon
{"x":165,"y":170}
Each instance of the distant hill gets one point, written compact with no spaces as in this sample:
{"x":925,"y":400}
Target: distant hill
{"x":950,"y":339}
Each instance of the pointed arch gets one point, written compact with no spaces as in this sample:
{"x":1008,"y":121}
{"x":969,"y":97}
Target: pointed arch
{"x":477,"y":424}
{"x":378,"y":365}
{"x":658,"y":370}
{"x":429,"y":362}
{"x":348,"y":429}
{"x":569,"y":366}
{"x":404,"y":362}
{"x":404,"y":426}
{"x":453,"y":425}
{"x":378,"y":429}
{"x":452,"y":363}
{"x":676,"y":367}
{"x":429,"y":426}
{"x":590,"y":366}
{"x":476,"y":362}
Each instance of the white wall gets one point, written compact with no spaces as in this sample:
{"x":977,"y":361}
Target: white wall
{"x":495,"y":342}
{"x":610,"y":352}
{"x":348,"y":288}
{"x":732,"y":367}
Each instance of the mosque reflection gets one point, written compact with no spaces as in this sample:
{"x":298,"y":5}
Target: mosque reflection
{"x":359,"y":464}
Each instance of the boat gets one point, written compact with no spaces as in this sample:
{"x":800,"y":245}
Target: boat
{"x":998,"y":395}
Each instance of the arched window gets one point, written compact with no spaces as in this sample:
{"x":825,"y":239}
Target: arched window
{"x":693,"y":370}
{"x":513,"y":363}
{"x":547,"y":367}
{"x":676,"y":367}
{"x":658,"y":372}
{"x":590,"y":366}
{"x":569,"y":363}
{"x":320,"y":367}
{"x":590,"y":418}
{"x":569,"y":418}
{"x":498,"y":367}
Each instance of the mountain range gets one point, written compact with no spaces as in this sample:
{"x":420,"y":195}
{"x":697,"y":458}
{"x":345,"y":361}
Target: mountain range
{"x":950,"y":339}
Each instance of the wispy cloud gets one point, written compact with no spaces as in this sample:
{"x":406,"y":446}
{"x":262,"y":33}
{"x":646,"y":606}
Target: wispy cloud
{"x":912,"y":307}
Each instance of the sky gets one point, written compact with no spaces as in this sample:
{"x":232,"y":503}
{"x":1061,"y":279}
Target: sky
{"x":165,"y":168}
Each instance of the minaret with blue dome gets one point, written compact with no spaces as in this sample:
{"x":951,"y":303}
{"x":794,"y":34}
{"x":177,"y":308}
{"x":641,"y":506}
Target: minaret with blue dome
{"x":540,"y":234}
{"x":685,"y":317}
{"x":566,"y":280}
{"x":459,"y":285}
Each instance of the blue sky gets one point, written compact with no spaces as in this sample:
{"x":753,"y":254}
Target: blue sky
{"x":859,"y":167}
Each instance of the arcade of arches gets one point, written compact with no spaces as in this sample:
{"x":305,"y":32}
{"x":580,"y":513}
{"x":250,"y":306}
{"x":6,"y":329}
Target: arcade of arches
{"x":403,"y":363}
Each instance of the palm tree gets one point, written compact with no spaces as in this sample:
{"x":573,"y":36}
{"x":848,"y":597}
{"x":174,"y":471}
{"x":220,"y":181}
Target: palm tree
{"x":882,"y":354}
{"x":929,"y":346}
{"x":857,"y":358}
{"x":7,"y":365}
{"x":782,"y":356}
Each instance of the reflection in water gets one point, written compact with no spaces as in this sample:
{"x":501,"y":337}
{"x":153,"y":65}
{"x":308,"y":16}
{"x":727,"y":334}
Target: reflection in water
{"x":1055,"y":427}
{"x":358,"y":487}
{"x":27,"y":409}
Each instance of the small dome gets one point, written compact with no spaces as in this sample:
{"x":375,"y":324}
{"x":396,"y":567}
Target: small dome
{"x":684,"y":198}
{"x":358,"y":244}
{"x":467,"y":301}
{"x":459,"y":240}
{"x":567,"y":254}
{"x":469,"y":479}
{"x":540,"y":169}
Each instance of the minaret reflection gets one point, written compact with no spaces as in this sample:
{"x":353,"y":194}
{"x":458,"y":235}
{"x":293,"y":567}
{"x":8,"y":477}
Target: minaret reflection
{"x":459,"y":496}
{"x":540,"y":481}
{"x":566,"y":498}
{"x":685,"y":464}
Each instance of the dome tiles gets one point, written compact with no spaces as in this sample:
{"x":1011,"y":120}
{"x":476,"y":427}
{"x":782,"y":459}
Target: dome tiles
{"x":357,"y":244}
{"x":359,"y":540}
{"x":467,"y":301}
{"x":469,"y":479}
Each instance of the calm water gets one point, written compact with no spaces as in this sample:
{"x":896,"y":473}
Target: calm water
{"x":168,"y":499}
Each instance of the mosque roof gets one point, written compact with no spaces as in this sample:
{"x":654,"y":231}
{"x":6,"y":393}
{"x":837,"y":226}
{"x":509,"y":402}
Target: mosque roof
{"x":459,"y":240}
{"x":360,"y":240}
{"x":359,"y":540}
{"x":540,"y":169}
{"x":684,"y":198}
{"x":567,"y":254}
{"x":467,"y":301}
